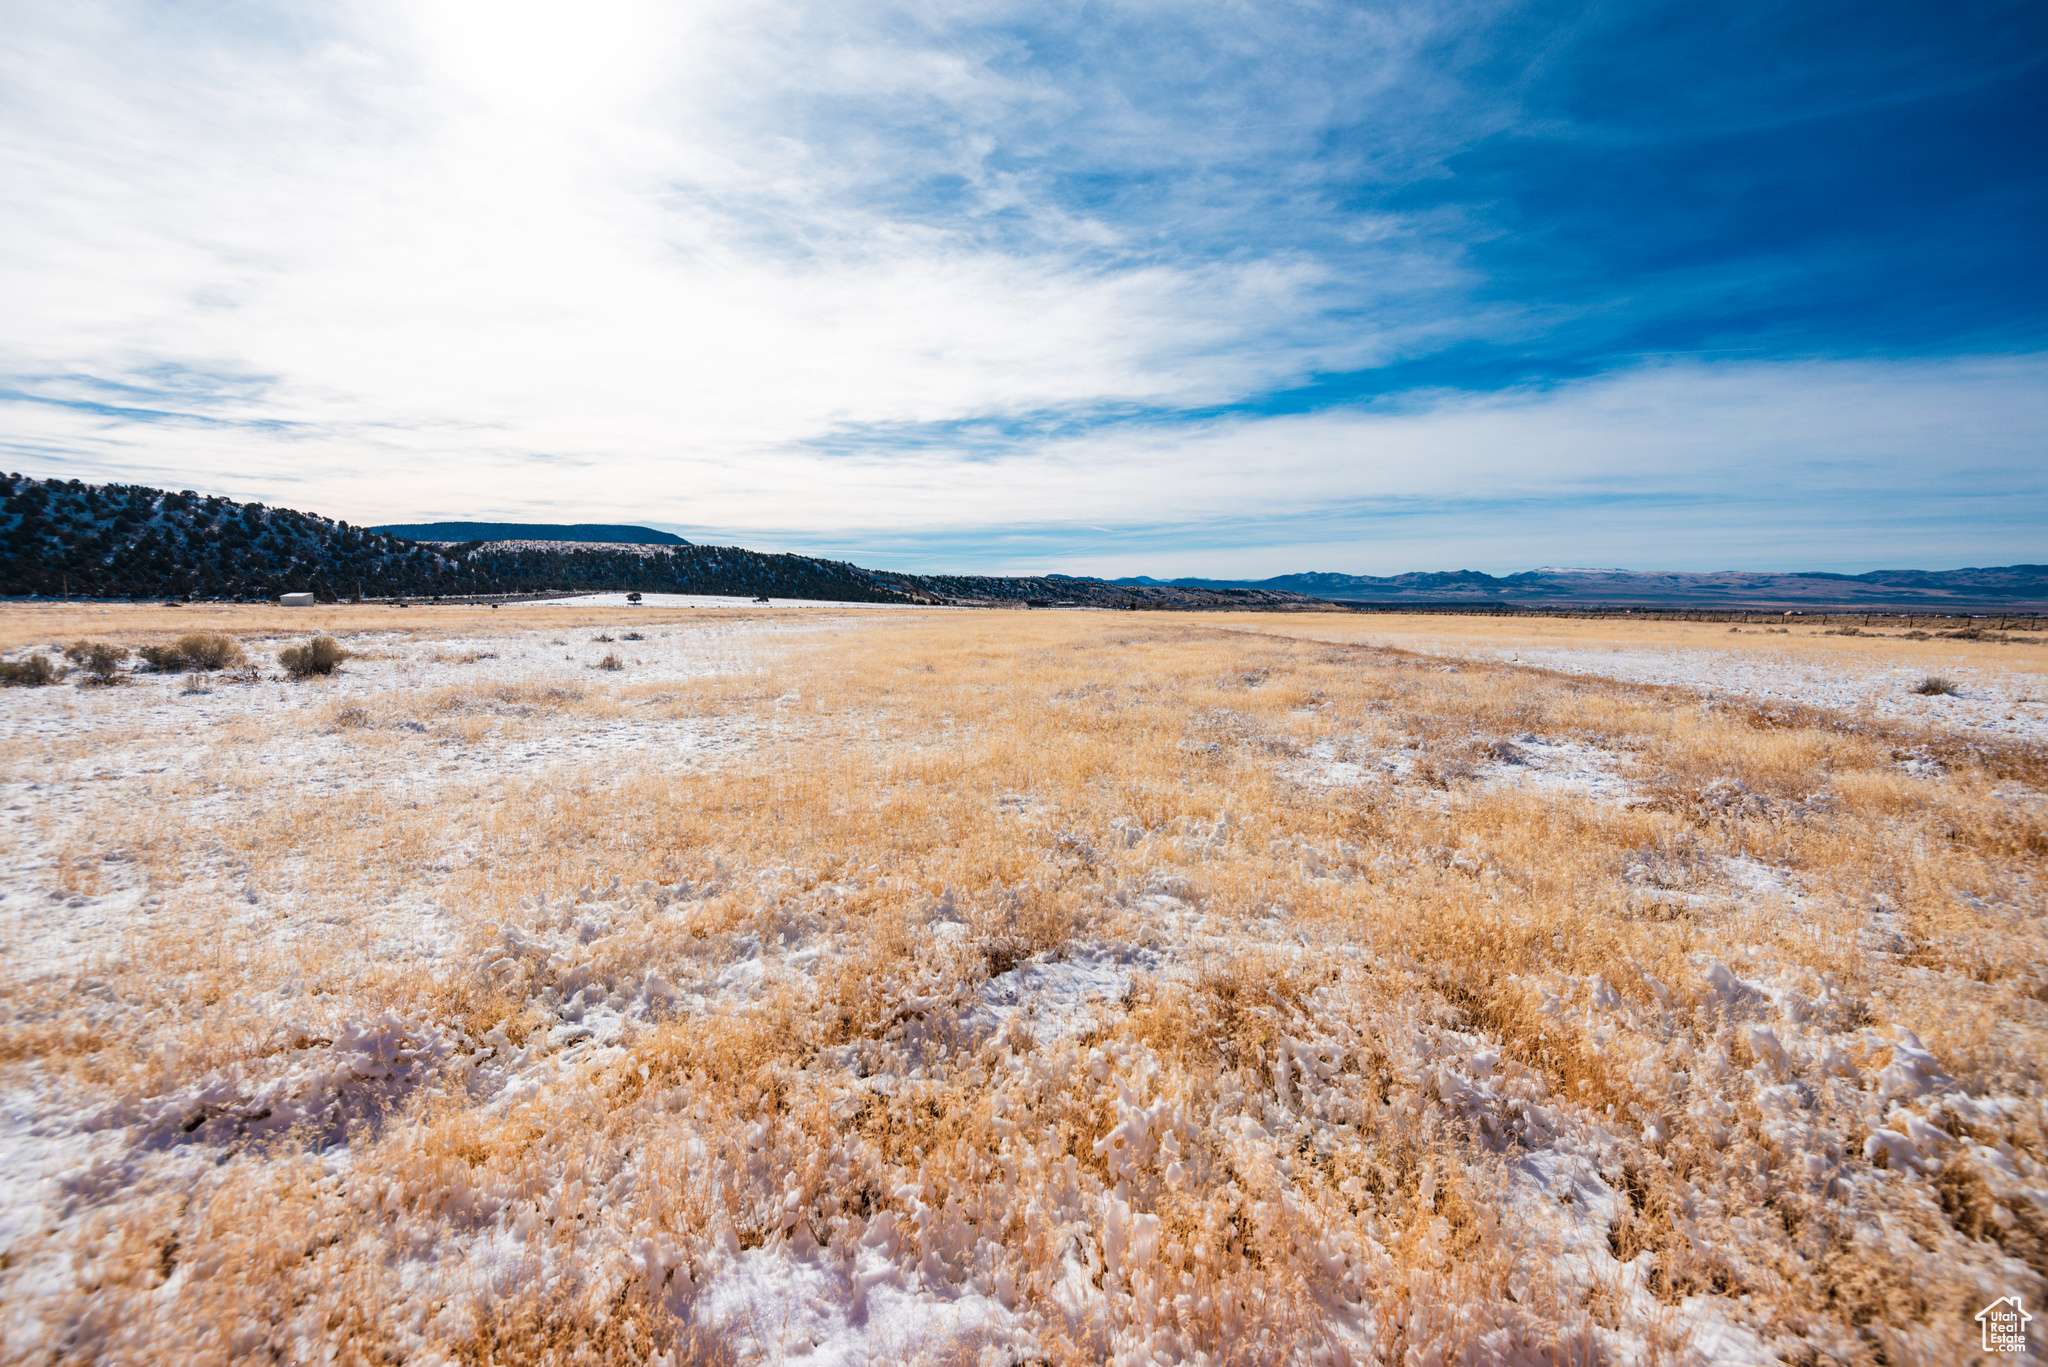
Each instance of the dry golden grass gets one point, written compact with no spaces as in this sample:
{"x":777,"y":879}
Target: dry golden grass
{"x":1398,"y":1037}
{"x":1807,"y":638}
{"x":24,"y":624}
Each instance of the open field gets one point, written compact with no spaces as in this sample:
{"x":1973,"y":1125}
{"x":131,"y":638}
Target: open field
{"x":2003,"y":679}
{"x":856,"y":985}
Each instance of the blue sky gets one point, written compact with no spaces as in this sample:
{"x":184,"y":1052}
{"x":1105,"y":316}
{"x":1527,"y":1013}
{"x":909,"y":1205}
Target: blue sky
{"x":1102,"y":288}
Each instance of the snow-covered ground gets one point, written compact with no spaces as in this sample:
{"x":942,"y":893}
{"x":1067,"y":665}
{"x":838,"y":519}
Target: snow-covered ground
{"x":161,"y":709}
{"x":1989,"y":702}
{"x":407,"y":717}
{"x":246,"y":959}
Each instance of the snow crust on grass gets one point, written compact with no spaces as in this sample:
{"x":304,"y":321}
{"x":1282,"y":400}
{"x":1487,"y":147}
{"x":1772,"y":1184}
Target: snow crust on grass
{"x":1353,"y":1071}
{"x":1329,"y":763}
{"x":1055,"y":998}
{"x":773,"y":1304}
{"x":147,"y":707}
{"x":2010,"y":705}
{"x":162,"y":734}
{"x":1538,"y":764}
{"x":1527,"y":763}
{"x":322,"y":1083}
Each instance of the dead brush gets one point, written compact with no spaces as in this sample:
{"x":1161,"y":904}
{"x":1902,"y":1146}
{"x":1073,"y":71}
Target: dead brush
{"x":35,"y":670}
{"x":1676,"y":863}
{"x":315,"y":658}
{"x":204,"y":651}
{"x":98,"y":661}
{"x":1446,"y":767}
{"x":536,"y":695}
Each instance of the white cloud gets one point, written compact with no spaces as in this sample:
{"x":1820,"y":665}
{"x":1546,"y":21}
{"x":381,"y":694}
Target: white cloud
{"x":634,"y":259}
{"x":590,"y":229}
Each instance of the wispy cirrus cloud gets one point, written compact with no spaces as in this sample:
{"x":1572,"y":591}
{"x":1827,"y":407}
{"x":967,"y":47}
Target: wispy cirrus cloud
{"x":981,"y":281}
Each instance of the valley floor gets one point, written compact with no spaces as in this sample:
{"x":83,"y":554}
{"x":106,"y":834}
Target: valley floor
{"x":860,"y":985}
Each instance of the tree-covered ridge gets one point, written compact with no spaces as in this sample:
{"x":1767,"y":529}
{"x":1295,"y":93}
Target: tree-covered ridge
{"x":131,"y":541}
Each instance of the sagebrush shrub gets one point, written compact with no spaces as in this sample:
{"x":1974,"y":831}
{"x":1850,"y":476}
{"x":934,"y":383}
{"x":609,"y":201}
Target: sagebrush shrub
{"x":611,"y":662}
{"x":202,"y":650}
{"x":32,"y":672}
{"x":210,"y":650}
{"x":100,"y":661}
{"x":1936,"y":686}
{"x":321,"y":655}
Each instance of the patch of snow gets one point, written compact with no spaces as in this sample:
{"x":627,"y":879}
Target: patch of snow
{"x":42,"y":1154}
{"x":772,"y":1304}
{"x":2013,"y":704}
{"x":321,"y":1091}
{"x":1055,"y":998}
{"x":1755,"y":880}
{"x":1335,"y":764}
{"x":1556,"y":766}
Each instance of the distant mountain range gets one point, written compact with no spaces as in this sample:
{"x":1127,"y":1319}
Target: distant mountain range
{"x":2023,"y":587}
{"x":65,"y":537}
{"x":616,"y":534}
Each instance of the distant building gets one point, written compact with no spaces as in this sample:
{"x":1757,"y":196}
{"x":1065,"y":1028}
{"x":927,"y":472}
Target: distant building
{"x":295,"y":600}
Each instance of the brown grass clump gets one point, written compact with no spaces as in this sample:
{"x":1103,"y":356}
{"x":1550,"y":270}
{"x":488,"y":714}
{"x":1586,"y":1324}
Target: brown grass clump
{"x":1936,"y":685}
{"x":99,"y":661}
{"x":200,"y":650}
{"x":321,"y":655}
{"x":210,"y":650}
{"x":31,"y":671}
